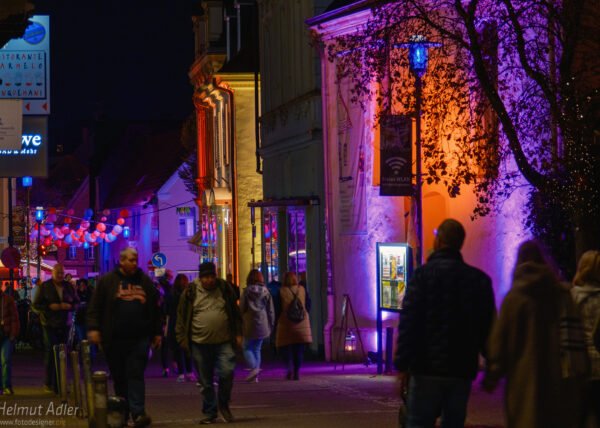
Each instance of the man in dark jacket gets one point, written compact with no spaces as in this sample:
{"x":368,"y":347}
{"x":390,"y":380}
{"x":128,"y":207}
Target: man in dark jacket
{"x":54,"y":301}
{"x":446,"y":318}
{"x":209,"y":325}
{"x":124,"y":317}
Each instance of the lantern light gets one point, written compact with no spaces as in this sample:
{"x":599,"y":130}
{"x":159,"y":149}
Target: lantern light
{"x":126,"y":232}
{"x":350,"y":341}
{"x":39,"y":214}
{"x":27,"y":181}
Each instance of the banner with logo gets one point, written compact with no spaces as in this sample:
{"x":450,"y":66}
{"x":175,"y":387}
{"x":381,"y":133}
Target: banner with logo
{"x":351,"y":157}
{"x":32,"y":158}
{"x":396,"y":156}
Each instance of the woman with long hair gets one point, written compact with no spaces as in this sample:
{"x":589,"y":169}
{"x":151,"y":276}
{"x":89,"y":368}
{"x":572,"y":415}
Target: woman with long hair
{"x":258,"y":315}
{"x":293,"y":331}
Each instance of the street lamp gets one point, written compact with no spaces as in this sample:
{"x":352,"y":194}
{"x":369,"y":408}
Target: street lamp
{"x":27,"y":182}
{"x":417,"y":59}
{"x":39,"y":218}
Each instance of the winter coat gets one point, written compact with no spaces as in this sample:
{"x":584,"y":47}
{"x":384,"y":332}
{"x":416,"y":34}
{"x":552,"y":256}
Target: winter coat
{"x":288,"y":332}
{"x":446,"y":318}
{"x":524,"y":347}
{"x":258,"y":314}
{"x":587,"y":300}
{"x":47,"y":295}
{"x":185,"y":312}
{"x":100,"y":316}
{"x":10,"y":316}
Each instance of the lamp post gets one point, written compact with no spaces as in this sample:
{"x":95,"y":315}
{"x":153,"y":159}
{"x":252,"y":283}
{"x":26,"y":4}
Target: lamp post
{"x":39,"y":217}
{"x":27,"y":182}
{"x":417,"y":59}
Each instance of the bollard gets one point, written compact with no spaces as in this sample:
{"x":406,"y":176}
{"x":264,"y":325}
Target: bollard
{"x":389,"y":347}
{"x":99,"y":379}
{"x":62,"y":355}
{"x":87,"y":378}
{"x":76,"y":380}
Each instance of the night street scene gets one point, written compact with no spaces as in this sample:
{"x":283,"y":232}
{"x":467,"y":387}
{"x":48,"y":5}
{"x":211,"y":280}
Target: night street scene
{"x":300,"y":213}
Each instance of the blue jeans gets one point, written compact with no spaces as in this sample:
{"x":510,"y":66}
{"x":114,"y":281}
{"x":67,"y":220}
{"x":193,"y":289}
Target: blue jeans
{"x":127,"y":361}
{"x":214,"y":359}
{"x":431,"y":396}
{"x":252,"y":349}
{"x":6,"y":350}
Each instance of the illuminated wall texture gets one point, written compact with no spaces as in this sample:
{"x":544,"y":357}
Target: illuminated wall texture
{"x":490,"y":244}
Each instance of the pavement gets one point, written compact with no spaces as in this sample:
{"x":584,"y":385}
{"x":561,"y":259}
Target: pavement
{"x":327,"y":395}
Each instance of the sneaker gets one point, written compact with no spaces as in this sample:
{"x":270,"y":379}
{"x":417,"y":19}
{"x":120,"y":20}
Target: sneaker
{"x":226,"y":413}
{"x":253,"y":375}
{"x":181,"y":378}
{"x":142,"y":421}
{"x":8,"y":391}
{"x":208,"y":420}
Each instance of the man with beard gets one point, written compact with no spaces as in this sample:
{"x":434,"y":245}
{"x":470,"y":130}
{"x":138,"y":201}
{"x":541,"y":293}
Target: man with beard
{"x":124,"y":317}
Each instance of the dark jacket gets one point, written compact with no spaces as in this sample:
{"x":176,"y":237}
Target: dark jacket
{"x":100,"y":314}
{"x":446,"y":318}
{"x":48,"y":295}
{"x":183,"y":329}
{"x":9,"y":316}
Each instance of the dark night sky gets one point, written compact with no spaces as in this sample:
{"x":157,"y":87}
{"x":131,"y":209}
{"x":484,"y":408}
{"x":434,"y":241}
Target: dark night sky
{"x":127,"y":59}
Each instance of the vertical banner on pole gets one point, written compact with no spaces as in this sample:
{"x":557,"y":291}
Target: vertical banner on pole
{"x":396,"y":156}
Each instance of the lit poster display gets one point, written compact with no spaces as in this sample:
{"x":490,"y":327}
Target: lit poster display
{"x":394,"y":267}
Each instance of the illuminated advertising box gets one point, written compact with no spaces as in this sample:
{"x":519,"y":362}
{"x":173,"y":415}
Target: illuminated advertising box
{"x":32,"y":158}
{"x":394,"y":266}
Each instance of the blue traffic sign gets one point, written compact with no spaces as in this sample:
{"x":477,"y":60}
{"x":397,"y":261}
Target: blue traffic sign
{"x":159,"y":259}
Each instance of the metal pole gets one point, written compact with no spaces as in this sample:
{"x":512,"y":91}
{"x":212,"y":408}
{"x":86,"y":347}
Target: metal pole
{"x":11,"y":237}
{"x":39,"y":256}
{"x":87,"y":378}
{"x":62,"y":355}
{"x":27,"y":244}
{"x":419,"y":183}
{"x":100,"y":400}
{"x":76,"y":380}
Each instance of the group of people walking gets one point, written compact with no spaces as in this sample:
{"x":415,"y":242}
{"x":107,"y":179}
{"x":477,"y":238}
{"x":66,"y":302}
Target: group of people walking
{"x":541,"y":342}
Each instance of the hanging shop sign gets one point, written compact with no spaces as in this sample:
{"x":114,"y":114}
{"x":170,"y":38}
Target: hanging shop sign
{"x":396,"y":156}
{"x":32,"y":158}
{"x":25,"y":67}
{"x":11,"y":124}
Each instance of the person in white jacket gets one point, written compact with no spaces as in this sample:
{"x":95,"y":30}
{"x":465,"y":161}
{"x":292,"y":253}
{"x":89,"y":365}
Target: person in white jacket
{"x":258,"y":318}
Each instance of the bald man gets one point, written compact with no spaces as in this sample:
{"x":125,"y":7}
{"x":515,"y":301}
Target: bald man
{"x":54,"y":301}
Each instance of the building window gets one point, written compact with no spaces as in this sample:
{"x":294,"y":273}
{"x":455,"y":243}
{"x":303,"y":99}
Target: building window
{"x":72,"y":253}
{"x":89,"y":253}
{"x":187,"y":221}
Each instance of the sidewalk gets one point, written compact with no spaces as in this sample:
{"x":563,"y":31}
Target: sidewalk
{"x":324,"y":396}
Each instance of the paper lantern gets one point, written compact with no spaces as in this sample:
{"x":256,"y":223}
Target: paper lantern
{"x":49,"y":225}
{"x":103,"y":218}
{"x":117,"y":229}
{"x":124,"y":213}
{"x":68,"y":220}
{"x":68,"y":239}
{"x":51,"y":217}
{"x":51,"y":210}
{"x":101,"y":227}
{"x":85,"y":224}
{"x":121,"y":221}
{"x":88,"y":214}
{"x":106,"y":212}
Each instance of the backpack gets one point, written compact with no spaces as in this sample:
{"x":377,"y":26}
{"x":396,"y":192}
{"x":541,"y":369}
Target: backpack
{"x":295,"y":312}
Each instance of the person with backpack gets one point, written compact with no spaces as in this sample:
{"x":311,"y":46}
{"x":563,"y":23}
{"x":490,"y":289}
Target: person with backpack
{"x":258,"y":315}
{"x":293,"y":326}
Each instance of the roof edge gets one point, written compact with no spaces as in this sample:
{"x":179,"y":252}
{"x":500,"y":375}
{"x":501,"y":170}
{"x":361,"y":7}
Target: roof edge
{"x":343,"y":11}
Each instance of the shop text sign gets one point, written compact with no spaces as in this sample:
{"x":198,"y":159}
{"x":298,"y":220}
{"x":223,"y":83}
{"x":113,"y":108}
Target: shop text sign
{"x":396,"y":156}
{"x":32,"y":158}
{"x":25,"y":68}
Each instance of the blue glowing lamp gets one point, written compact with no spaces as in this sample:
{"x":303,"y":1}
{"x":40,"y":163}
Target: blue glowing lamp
{"x":417,"y":53}
{"x":27,"y":181}
{"x":39,"y":214}
{"x":126,"y":232}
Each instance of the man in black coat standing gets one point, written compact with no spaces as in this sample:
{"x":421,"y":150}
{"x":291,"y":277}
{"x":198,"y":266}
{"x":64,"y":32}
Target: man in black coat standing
{"x":124,"y":317}
{"x":446,"y":319}
{"x":54,"y":302}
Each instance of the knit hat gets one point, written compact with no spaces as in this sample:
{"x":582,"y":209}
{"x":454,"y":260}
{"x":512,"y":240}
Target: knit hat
{"x":207,"y":268}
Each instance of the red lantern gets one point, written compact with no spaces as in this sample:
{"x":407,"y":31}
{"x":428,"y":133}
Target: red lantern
{"x":124,"y":213}
{"x":121,"y":221}
{"x":101,"y":227}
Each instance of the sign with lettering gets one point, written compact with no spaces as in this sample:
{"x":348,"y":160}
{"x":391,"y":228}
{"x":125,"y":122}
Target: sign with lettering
{"x":11,"y":124}
{"x":32,"y":158}
{"x":25,"y":67}
{"x":396,"y":156}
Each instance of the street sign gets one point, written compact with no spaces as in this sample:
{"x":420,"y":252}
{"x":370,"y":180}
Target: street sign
{"x":159,"y":259}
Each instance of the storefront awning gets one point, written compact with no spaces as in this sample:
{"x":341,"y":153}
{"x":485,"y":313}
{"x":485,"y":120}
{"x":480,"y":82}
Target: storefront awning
{"x":286,"y":202}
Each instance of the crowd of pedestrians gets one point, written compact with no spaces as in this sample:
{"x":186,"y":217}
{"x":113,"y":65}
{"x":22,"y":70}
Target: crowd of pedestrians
{"x":544,"y":341}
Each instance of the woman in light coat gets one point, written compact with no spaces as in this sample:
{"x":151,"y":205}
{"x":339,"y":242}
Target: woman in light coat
{"x":586,"y":293}
{"x":292,"y":336}
{"x":258,"y":315}
{"x":525,"y":347}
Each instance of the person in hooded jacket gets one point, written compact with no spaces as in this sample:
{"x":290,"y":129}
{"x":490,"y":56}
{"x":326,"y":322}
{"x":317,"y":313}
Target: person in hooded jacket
{"x":258,"y":315}
{"x":586,"y":294}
